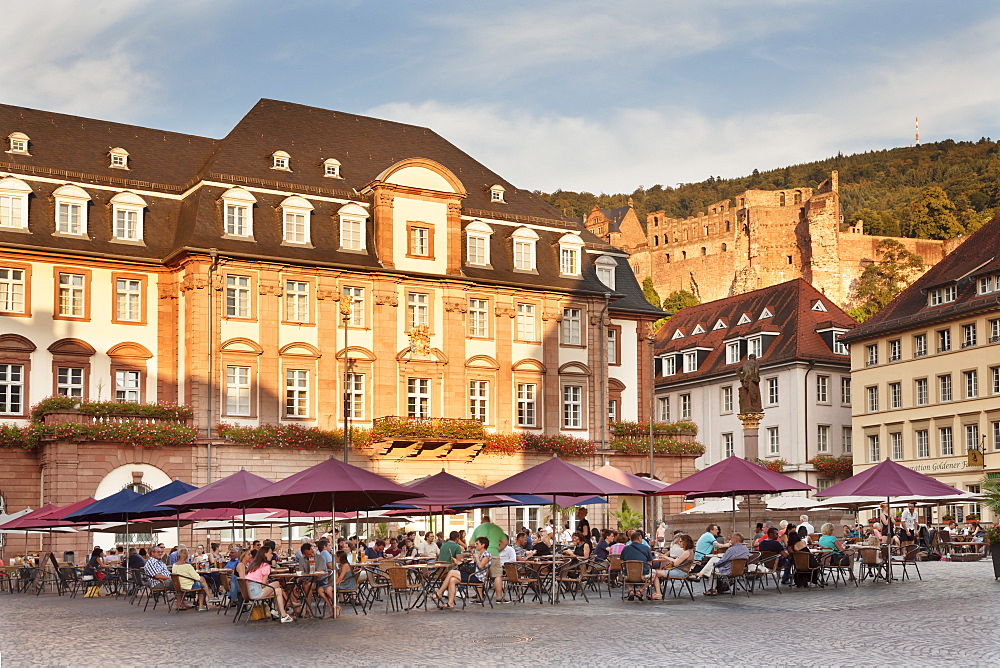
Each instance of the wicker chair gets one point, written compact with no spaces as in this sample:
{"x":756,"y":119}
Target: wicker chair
{"x":736,"y":576}
{"x":180,"y":593}
{"x":678,"y":583}
{"x":614,"y":570}
{"x":833,"y":564}
{"x":518,"y":584}
{"x":482,"y":584}
{"x":635,"y":582}
{"x":247,"y":604}
{"x":872,"y":565}
{"x":399,"y":584}
{"x":909,"y":560}
{"x":803,"y":565}
{"x":569,"y":578}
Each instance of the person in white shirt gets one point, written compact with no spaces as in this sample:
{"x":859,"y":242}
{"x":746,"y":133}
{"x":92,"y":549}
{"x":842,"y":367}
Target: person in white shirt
{"x":507,"y":553}
{"x":909,"y":520}
{"x":804,"y":524}
{"x":428,"y":546}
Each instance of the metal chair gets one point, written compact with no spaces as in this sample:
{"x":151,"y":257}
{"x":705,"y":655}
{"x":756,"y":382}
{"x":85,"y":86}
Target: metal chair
{"x":678,"y":583}
{"x":247,"y":604}
{"x":735,"y":576}
{"x":836,"y":564}
{"x":872,"y":565}
{"x":634,"y":579}
{"x":180,"y":593}
{"x":909,"y":560}
{"x":803,"y":565}
{"x":569,"y":578}
{"x":767,"y":565}
{"x":482,"y":584}
{"x":399,"y":584}
{"x":514,"y":582}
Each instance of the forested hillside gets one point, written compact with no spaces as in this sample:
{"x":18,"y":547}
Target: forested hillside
{"x":933,"y":191}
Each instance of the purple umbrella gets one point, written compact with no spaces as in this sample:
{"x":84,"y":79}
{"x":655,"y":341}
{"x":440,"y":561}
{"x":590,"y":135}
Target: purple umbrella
{"x":446,"y":491}
{"x":555,"y":477}
{"x":733,"y":476}
{"x":641,"y":485}
{"x":223,"y":493}
{"x":330,"y":484}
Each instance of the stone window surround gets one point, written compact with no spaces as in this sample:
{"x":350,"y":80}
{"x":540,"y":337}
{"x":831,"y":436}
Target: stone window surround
{"x":143,"y":292}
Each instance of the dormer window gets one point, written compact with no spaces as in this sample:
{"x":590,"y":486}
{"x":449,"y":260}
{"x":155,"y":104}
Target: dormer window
{"x":353,"y":227}
{"x":524,"y":240}
{"x":477,"y":243}
{"x":126,"y":216}
{"x":237,"y":213}
{"x":944,"y":295}
{"x":119,"y":158}
{"x":331,"y":168}
{"x":496,"y":193}
{"x":295,"y":226}
{"x":281,"y":160}
{"x":14,"y":203}
{"x":18,"y":143}
{"x":71,"y":210}
{"x":606,"y":266}
{"x":570,"y":249}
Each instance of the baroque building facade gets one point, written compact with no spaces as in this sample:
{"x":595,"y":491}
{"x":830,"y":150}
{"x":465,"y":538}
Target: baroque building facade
{"x":927,"y":372}
{"x":805,"y":384}
{"x":310,"y":266}
{"x":759,"y":239}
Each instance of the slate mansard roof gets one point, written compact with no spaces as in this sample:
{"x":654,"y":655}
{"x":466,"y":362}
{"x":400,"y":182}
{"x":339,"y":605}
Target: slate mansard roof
{"x":978,"y":256}
{"x":795,"y":320}
{"x":165,"y":167}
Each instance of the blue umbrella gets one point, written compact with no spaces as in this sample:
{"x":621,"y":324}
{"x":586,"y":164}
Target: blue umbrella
{"x":113,"y":507}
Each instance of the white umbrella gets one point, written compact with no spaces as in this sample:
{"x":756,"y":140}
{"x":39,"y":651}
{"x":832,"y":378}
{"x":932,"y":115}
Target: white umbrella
{"x":713,"y":506}
{"x":791,"y":503}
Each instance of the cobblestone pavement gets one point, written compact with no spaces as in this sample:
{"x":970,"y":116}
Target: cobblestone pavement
{"x":948,"y":618}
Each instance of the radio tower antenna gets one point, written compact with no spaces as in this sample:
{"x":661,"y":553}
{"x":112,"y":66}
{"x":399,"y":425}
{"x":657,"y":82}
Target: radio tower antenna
{"x":916,"y":130}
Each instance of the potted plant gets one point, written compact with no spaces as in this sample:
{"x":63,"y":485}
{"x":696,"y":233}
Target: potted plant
{"x":991,"y":492}
{"x":947,"y":518}
{"x":993,"y":538}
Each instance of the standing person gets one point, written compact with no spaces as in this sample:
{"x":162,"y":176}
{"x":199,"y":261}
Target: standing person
{"x":908,"y":530}
{"x":495,"y":534}
{"x":804,"y":524}
{"x":661,"y":534}
{"x":582,"y":525}
{"x":885,"y":518}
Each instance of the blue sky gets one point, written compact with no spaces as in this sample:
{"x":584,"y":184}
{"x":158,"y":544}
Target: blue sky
{"x":577,"y":95}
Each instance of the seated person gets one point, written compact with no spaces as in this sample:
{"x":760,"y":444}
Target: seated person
{"x":579,"y":548}
{"x":190,"y":580}
{"x":450,"y":549}
{"x":621,"y":540}
{"x":675,"y":563}
{"x":804,"y":578}
{"x":243,"y":560}
{"x":428,"y":547}
{"x":770,"y":543}
{"x":156,"y":570}
{"x":839,"y":555}
{"x":724,"y":565}
{"x":709,"y":543}
{"x":136,"y":558}
{"x":850,"y":532}
{"x":520,"y":545}
{"x":257,"y":586}
{"x":543,"y":546}
{"x":481,"y":559}
{"x":234,"y":558}
{"x":637,"y":550}
{"x":376,"y":553}
{"x":346,"y":583}
{"x":394,"y":549}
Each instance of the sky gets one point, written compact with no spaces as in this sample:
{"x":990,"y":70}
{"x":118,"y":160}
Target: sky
{"x":577,"y":95}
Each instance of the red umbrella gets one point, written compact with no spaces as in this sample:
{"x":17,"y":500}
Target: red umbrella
{"x":223,"y":493}
{"x":329,"y":485}
{"x":557,"y":477}
{"x":733,"y":476}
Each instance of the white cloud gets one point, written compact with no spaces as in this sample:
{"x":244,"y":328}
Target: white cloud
{"x":74,"y":57}
{"x":950,"y":82}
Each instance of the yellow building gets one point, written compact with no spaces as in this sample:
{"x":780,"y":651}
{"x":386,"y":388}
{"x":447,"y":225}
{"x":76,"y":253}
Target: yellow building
{"x":926,"y":371}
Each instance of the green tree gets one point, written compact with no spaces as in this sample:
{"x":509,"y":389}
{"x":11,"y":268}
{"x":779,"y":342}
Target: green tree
{"x":932,"y":216}
{"x":886,"y":277}
{"x":878,"y":223}
{"x":677,"y":300}
{"x":627,"y":519}
{"x":649,"y":292}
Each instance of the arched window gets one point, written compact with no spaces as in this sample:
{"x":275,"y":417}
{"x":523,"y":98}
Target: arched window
{"x":781,"y":199}
{"x":797,"y":198}
{"x":728,"y":226}
{"x":295,"y":221}
{"x":724,"y":248}
{"x":606,"y":266}
{"x":14,"y":203}
{"x":704,"y":251}
{"x":127,"y":217}
{"x":684,"y":255}
{"x":524,"y":248}
{"x":668,"y":258}
{"x":656,"y":239}
{"x":570,"y":254}
{"x":353,"y":227}
{"x":477,"y":243}
{"x":237,"y":211}
{"x":331,"y":168}
{"x":71,"y":210}
{"x":281,"y":160}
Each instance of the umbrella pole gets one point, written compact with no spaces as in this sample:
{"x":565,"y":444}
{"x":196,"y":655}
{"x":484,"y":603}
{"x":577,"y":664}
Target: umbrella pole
{"x":554,"y":590}
{"x":734,"y":512}
{"x":244,"y":526}
{"x":289,"y":533}
{"x":890,"y":530}
{"x":333,"y":536}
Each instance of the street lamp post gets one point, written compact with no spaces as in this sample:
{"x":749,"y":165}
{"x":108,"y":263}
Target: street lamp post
{"x":345,"y":314}
{"x":651,"y":335}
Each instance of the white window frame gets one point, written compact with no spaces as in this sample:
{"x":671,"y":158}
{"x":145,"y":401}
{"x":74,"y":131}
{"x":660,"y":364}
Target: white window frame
{"x":773,"y":441}
{"x":822,"y":389}
{"x":895,"y":395}
{"x":969,"y":335}
{"x":773,"y":391}
{"x":418,"y":397}
{"x":839,"y":347}
{"x":946,"y":441}
{"x":874,"y":449}
{"x":525,"y":242}
{"x":845,"y":390}
{"x":13,"y":290}
{"x":572,"y":396}
{"x":237,"y":214}
{"x":298,"y":296}
{"x":296,"y":221}
{"x":922,"y":443}
{"x":477,"y":244}
{"x":238,"y":296}
{"x":727,"y":399}
{"x":605,"y":267}
{"x":479,"y":401}
{"x":921,"y":392}
{"x":823,"y":438}
{"x":355,"y":396}
{"x":995,"y":379}
{"x":895,"y":350}
{"x":418,"y":309}
{"x":571,"y":327}
{"x":944,"y":340}
{"x":970,"y":379}
{"x":996,"y":434}
{"x":118,"y":158}
{"x":296,"y":393}
{"x":239,"y":382}
{"x":871,"y":394}
{"x":356,"y":296}
{"x":871,"y":354}
{"x":527,"y":404}
{"x":847,"y":439}
{"x":663,"y":409}
{"x":570,"y":254}
{"x":971,"y":436}
{"x":896,"y":446}
{"x":127,"y":217}
{"x":17,"y":142}
{"x":669,"y":365}
{"x":946,"y":390}
{"x":497,"y":194}
{"x":612,"y":341}
{"x":128,"y":299}
{"x":728,"y":445}
{"x":755,"y":346}
{"x":71,"y":211}
{"x":420,"y":240}
{"x":69,"y":381}
{"x":479,"y":318}
{"x":685,"y":400}
{"x":128,"y":386}
{"x":995,"y":326}
{"x":732,"y":352}
{"x":72,"y":294}
{"x":690,"y":361}
{"x":12,"y":389}
{"x":281,"y":161}
{"x":526,"y":322}
{"x":331,"y":168}
{"x":14,"y":204}
{"x":919,"y":345}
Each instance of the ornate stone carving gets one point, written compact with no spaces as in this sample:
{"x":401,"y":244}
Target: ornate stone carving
{"x":384,"y":199}
{"x":455,"y":306}
{"x":167,"y":290}
{"x":552,"y":314}
{"x":751,"y":420}
{"x":505,"y":311}
{"x":420,"y":340}
{"x":386,"y":299}
{"x":270,"y":289}
{"x":327,"y":293}
{"x":193,"y":282}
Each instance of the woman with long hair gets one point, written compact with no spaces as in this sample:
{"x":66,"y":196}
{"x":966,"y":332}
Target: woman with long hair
{"x":257,"y":586}
{"x":480,"y":559}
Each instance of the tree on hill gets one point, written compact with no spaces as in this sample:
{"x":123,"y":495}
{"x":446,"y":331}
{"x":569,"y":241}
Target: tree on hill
{"x":932,"y":216}
{"x":677,"y":300}
{"x":649,"y":292}
{"x":878,"y":223}
{"x":882,"y":280}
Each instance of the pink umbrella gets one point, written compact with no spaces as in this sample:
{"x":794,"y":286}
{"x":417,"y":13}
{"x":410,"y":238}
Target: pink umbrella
{"x":733,"y":476}
{"x":555,"y":477}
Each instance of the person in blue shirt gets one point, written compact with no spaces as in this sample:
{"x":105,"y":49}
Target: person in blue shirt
{"x":637,"y":551}
{"x":234,"y":558}
{"x":708,"y":543}
{"x":376,"y":553}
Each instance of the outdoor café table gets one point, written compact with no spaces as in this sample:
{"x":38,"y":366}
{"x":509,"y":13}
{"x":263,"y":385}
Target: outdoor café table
{"x":967,"y":546}
{"x":294,"y":585}
{"x":541,"y":570}
{"x":429,"y":575}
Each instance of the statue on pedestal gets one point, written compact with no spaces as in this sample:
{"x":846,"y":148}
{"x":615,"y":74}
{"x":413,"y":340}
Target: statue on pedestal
{"x":749,"y":375}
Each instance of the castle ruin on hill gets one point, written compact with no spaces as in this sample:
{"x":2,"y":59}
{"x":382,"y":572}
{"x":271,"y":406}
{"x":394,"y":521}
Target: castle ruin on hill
{"x":758,"y":239}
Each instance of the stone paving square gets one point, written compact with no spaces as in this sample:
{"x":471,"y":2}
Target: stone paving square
{"x":948,"y":619}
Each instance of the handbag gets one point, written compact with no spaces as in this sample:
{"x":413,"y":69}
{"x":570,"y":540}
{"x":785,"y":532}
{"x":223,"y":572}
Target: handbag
{"x":467,"y":568}
{"x":100,"y":575}
{"x":259,"y":611}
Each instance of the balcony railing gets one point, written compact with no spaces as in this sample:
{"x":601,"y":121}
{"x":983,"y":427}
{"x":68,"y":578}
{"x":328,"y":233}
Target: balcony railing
{"x":399,"y":437}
